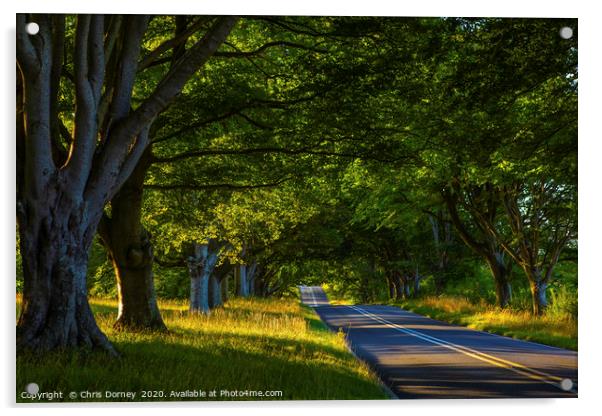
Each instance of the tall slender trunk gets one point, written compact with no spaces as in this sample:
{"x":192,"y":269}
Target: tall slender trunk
{"x":406,"y":287}
{"x":251,"y":278}
{"x":538,"y":287}
{"x":200,"y":266}
{"x":225,"y":286}
{"x":391,"y":286}
{"x":439,"y":226}
{"x":131,"y":253}
{"x":242,"y":286}
{"x":399,"y":287}
{"x":417,"y":279}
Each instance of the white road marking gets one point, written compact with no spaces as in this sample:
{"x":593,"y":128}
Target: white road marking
{"x":313,"y":297}
{"x":304,"y":290}
{"x":499,"y":362}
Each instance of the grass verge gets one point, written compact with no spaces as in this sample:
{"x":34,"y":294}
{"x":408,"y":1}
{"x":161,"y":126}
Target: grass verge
{"x":260,"y":345}
{"x":548,"y":329}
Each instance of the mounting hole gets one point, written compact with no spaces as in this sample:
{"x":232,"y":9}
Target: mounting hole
{"x":32,"y":28}
{"x":566,"y":32}
{"x":566,"y":384}
{"x":32,"y":388}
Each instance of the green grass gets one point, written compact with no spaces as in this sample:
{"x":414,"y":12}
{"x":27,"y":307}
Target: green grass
{"x":253,"y":344}
{"x":552,"y":329}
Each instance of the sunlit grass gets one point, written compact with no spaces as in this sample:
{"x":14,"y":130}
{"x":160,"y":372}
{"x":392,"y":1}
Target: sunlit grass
{"x":555,"y":330}
{"x":250,"y":344}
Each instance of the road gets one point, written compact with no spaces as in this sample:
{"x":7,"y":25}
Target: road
{"x":421,"y":358}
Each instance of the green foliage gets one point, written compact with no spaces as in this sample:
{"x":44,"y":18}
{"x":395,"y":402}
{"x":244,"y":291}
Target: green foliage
{"x":322,"y":147}
{"x":101,"y":278}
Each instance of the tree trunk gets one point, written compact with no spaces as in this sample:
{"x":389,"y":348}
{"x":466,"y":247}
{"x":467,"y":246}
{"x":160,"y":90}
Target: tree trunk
{"x":251,"y":278}
{"x":55,"y":313}
{"x":225,"y":283}
{"x":391,"y":285}
{"x":406,"y":287}
{"x":399,"y":287}
{"x":59,"y":206}
{"x":538,"y":291}
{"x":417,"y":278}
{"x":200,"y":267}
{"x":500,"y":272}
{"x":215,"y":292}
{"x":242,"y":286}
{"x":131,"y":253}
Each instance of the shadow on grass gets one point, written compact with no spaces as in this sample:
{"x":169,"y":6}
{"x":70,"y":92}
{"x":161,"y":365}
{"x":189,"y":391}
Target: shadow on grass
{"x":298,"y":348}
{"x":166,"y":366}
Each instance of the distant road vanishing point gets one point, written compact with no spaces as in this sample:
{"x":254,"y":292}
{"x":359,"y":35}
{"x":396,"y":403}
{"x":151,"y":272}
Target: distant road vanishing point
{"x":421,"y":358}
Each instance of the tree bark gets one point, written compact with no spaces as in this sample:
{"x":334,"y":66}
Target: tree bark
{"x":59,"y":206}
{"x":131,"y":253}
{"x":417,"y":279}
{"x":500,"y":272}
{"x":406,"y":287}
{"x":488,"y":246}
{"x":391,"y":286}
{"x":399,"y":286}
{"x":200,"y":266}
{"x":538,"y":287}
{"x":55,"y":313}
{"x":225,"y":286}
{"x":215,"y":292}
{"x":251,"y":278}
{"x":242,"y":286}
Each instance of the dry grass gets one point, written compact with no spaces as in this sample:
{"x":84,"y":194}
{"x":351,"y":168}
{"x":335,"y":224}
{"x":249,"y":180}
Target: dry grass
{"x":560,"y":331}
{"x":250,"y":344}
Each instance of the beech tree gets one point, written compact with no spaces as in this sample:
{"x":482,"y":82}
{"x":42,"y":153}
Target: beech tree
{"x":231,"y":99}
{"x":61,"y":194}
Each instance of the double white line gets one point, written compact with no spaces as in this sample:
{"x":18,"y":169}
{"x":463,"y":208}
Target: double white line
{"x":562,"y":384}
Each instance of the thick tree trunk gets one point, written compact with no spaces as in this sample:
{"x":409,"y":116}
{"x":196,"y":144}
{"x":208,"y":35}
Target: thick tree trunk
{"x":218,"y":284}
{"x":500,"y":272}
{"x":131,"y":252}
{"x":55,"y":313}
{"x":59,"y":208}
{"x":215,"y":292}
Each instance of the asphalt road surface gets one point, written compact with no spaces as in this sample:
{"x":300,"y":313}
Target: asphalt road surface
{"x":421,"y":358}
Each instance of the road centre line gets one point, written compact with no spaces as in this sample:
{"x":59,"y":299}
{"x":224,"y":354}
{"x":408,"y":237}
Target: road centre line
{"x":313,"y":296}
{"x":499,"y":362}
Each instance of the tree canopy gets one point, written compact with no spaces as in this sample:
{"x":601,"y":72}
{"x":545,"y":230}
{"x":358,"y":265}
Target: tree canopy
{"x":384,"y":157}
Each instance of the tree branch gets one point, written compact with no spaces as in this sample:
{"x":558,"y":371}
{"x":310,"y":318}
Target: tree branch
{"x":89,"y":76}
{"x":181,"y":38}
{"x":266,"y":46}
{"x":224,"y":186}
{"x":34,"y":57}
{"x":117,"y":149}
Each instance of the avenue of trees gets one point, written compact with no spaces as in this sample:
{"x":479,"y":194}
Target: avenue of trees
{"x":215,"y":156}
